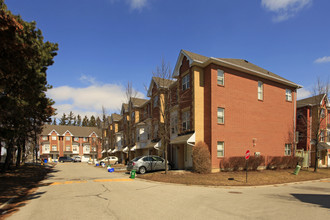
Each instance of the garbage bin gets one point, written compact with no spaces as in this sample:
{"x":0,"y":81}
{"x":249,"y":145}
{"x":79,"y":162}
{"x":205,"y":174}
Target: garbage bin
{"x":133,"y":173}
{"x":296,"y":171}
{"x":45,"y":160}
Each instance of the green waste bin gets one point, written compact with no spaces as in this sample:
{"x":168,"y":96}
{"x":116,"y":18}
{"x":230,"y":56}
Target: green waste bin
{"x":296,"y":171}
{"x":133,"y":173}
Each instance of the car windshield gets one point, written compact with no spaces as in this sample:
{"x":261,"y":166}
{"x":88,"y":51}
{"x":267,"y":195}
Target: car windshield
{"x":136,"y":159}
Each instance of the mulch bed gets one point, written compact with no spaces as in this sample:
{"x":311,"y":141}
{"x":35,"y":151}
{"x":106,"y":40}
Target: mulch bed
{"x":18,"y":184}
{"x":255,"y":178}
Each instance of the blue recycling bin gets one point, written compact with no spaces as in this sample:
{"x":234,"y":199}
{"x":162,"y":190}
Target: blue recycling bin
{"x":111,"y":170}
{"x":45,"y":160}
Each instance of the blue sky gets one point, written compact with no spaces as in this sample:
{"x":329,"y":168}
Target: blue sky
{"x":103,"y":44}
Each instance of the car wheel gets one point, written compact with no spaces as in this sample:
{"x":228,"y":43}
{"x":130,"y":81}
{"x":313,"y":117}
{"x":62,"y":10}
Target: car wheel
{"x":142,"y":170}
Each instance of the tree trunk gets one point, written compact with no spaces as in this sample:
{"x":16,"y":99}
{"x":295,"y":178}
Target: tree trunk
{"x":19,"y":153}
{"x":23,"y":152}
{"x":316,"y":158}
{"x":9,"y":156}
{"x":166,"y":159}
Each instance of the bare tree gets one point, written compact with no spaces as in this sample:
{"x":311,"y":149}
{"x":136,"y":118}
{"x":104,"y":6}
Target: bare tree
{"x":129,"y":94}
{"x":317,"y":105}
{"x":164,"y":79}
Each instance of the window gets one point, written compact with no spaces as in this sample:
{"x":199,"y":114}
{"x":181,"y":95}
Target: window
{"x":156,"y":101}
{"x":54,"y":138}
{"x":74,"y":148}
{"x":322,"y":136}
{"x":186,"y":120}
{"x":185,"y":82}
{"x":328,"y":136}
{"x":76,"y":139}
{"x":46,"y":148}
{"x":67,"y":138}
{"x":221,"y":115}
{"x":322,"y":113}
{"x":85,"y":139}
{"x":260,"y":90}
{"x":68,"y":148}
{"x":44,"y":138}
{"x":54,"y":148}
{"x":287,"y":150}
{"x":288,"y":95}
{"x":221,"y":77}
{"x":174,"y":124}
{"x":220,"y":149}
{"x":93,"y":148}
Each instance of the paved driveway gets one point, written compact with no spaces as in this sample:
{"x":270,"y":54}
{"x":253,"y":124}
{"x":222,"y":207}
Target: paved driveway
{"x":81,"y":191}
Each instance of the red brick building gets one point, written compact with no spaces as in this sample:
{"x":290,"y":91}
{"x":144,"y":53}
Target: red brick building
{"x":232,"y":105}
{"x":58,"y":140}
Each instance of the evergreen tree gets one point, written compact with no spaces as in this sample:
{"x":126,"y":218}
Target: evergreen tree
{"x":74,"y":123}
{"x":78,"y":120}
{"x":54,"y":121}
{"x":92,"y":122}
{"x":70,"y":118}
{"x":85,"y":122}
{"x":98,"y":122}
{"x":63,"y":120}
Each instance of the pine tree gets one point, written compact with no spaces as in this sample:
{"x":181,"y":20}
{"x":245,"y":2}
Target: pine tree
{"x":63,"y":120}
{"x":98,"y":122}
{"x":85,"y":122}
{"x":92,"y":122}
{"x":70,"y":118}
{"x":54,"y":121}
{"x":78,"y":120}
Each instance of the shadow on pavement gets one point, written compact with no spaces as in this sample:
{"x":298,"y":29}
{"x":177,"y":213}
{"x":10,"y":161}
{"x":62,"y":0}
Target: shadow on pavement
{"x":317,"y":199}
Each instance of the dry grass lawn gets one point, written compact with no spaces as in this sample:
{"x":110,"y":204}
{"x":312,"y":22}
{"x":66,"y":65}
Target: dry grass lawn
{"x":255,"y":178}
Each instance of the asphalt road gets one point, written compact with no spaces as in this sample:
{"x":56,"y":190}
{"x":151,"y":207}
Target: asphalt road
{"x":81,"y":191}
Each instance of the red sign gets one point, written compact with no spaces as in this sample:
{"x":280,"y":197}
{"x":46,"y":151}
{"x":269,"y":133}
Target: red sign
{"x":247,"y":155}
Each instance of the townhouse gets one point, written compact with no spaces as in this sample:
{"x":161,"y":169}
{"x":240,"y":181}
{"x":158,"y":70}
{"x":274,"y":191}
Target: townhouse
{"x":58,"y":140}
{"x":313,"y":122}
{"x":230,"y":104}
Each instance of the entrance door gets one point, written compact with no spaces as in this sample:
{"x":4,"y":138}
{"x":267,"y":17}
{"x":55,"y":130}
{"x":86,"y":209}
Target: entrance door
{"x":328,"y":160}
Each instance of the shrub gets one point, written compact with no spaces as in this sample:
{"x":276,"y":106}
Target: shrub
{"x":285,"y":162}
{"x":201,"y":158}
{"x":239,"y":163}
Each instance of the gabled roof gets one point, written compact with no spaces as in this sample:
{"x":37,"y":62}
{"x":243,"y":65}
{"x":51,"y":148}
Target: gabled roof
{"x":76,"y":131}
{"x":314,"y":100}
{"x":137,"y":102}
{"x":160,"y":83}
{"x":237,"y":64}
{"x":124,"y":108}
{"x":116,"y":117}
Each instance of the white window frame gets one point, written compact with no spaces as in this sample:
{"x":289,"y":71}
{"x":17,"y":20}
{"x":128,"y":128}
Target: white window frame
{"x":76,"y":138}
{"x":85,"y":139}
{"x":322,"y":136}
{"x":260,"y":90}
{"x":221,"y":77}
{"x":46,"y":148}
{"x":54,"y":148}
{"x":288,"y":149}
{"x":75,"y":148}
{"x":156,"y":101}
{"x":220,"y":149}
{"x":68,"y":148}
{"x":67,"y":138}
{"x":44,"y":138}
{"x":288,"y":95}
{"x":221,"y":115}
{"x":186,"y":120}
{"x":54,"y":138}
{"x":186,"y":82}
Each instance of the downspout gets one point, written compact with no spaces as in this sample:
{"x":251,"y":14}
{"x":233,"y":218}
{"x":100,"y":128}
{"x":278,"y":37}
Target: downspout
{"x":294,"y":124}
{"x":310,"y":133}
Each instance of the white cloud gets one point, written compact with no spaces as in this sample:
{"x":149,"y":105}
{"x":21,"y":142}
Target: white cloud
{"x":303,"y":93}
{"x":325,"y":59}
{"x":285,"y":9}
{"x":137,"y":4}
{"x":88,"y":100}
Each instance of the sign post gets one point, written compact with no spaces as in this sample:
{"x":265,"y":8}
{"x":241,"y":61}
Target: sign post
{"x":247,"y":156}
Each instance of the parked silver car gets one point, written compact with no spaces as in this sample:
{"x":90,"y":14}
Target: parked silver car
{"x":143,"y":164}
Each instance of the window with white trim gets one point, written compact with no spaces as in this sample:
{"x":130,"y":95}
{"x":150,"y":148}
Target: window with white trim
{"x":287,"y":150}
{"x":46,"y":148}
{"x":221,"y":115}
{"x":76,"y":139}
{"x":328,"y":136}
{"x":67,"y":148}
{"x":54,"y":148}
{"x":174,"y":124}
{"x":74,"y":148}
{"x":260,"y":90}
{"x":44,"y":138}
{"x":67,"y":138}
{"x":221,"y":77}
{"x":288,"y":95}
{"x":220,"y":149}
{"x":186,"y":120}
{"x":54,"y":138}
{"x":156,"y":101}
{"x":185,"y":82}
{"x":321,"y":136}
{"x":85,"y":139}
